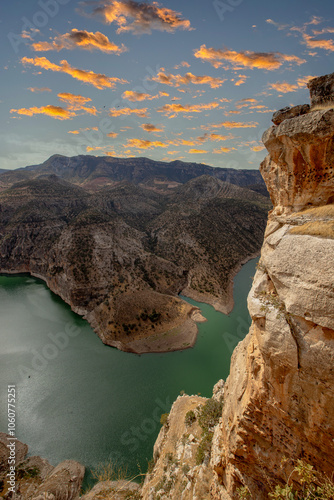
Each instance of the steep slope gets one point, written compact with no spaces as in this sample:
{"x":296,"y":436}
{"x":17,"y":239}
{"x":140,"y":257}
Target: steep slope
{"x":120,"y":257}
{"x":278,"y":401}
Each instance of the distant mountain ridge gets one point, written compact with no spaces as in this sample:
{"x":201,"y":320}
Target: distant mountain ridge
{"x":96,"y":172}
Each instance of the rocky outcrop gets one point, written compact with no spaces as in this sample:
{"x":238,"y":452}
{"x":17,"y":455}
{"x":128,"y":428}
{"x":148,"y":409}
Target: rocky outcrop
{"x":34,"y":478}
{"x":279,"y":397}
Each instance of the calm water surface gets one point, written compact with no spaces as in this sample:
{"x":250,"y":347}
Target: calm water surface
{"x":79,"y":399}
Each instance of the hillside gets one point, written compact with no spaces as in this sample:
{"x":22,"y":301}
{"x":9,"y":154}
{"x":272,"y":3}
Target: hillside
{"x":121,"y":256}
{"x":96,"y":172}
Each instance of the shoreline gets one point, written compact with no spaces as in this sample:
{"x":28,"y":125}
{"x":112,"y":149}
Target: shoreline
{"x":182,"y":335}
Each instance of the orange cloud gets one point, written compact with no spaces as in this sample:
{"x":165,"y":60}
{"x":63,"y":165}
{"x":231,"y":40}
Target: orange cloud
{"x":80,"y":39}
{"x":172,"y":110}
{"x":214,"y":137}
{"x":234,"y":125}
{"x":248,"y":59}
{"x":197,"y":151}
{"x":223,"y":150}
{"x":144,"y":144}
{"x":183,"y":64}
{"x":257,"y":148}
{"x":98,"y":80}
{"x":76,"y":102}
{"x":42,"y":89}
{"x":56,"y":112}
{"x":74,"y":132}
{"x":285,"y":87}
{"x":113,"y":135}
{"x":141,"y":112}
{"x":82,"y":130}
{"x":177,"y":80}
{"x":110,"y":153}
{"x":148,"y":127}
{"x":313,"y":43}
{"x":133,"y":96}
{"x":145,"y":16}
{"x":241,"y":81}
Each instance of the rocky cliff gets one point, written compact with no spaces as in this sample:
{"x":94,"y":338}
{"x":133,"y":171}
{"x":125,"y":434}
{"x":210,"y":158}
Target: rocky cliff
{"x":279,"y":397}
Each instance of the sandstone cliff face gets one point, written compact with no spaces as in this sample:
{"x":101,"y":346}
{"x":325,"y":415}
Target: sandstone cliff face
{"x":279,"y":397}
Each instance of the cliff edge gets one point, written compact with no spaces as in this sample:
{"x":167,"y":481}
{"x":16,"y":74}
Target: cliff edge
{"x":278,"y":404}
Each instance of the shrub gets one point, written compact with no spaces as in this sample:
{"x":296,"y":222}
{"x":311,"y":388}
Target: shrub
{"x":164,"y":419}
{"x":190,"y":418}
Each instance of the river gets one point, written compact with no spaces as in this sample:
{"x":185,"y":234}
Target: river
{"x":79,"y":399}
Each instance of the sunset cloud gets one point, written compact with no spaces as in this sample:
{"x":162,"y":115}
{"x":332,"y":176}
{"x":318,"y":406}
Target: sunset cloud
{"x":197,"y":151}
{"x":113,"y":135}
{"x":173,"y":110}
{"x":228,"y":124}
{"x":214,"y":137}
{"x":177,"y":80}
{"x":223,"y":150}
{"x":98,"y":80}
{"x":133,"y":96}
{"x":56,"y":112}
{"x":80,"y":39}
{"x":148,"y":127}
{"x":183,"y":64}
{"x":314,"y":43}
{"x":42,"y":89}
{"x":248,"y":59}
{"x":76,"y":102}
{"x":141,"y":112}
{"x":144,"y":144}
{"x":285,"y":87}
{"x":82,"y":130}
{"x":139,"y":17}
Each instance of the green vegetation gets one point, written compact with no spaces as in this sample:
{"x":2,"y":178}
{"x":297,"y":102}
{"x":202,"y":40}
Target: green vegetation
{"x":190,"y":418}
{"x":312,"y":485}
{"x":164,"y":419}
{"x":27,"y":473}
{"x":208,"y":417}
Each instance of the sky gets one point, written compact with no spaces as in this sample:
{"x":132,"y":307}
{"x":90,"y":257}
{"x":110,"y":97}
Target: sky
{"x":189,"y":80}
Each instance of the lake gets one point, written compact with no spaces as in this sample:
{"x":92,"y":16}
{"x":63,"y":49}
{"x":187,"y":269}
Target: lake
{"x":79,"y":399}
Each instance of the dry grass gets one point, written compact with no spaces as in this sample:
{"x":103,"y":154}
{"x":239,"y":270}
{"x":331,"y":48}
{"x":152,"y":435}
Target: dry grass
{"x":315,"y":228}
{"x":109,"y":471}
{"x":323,"y":211}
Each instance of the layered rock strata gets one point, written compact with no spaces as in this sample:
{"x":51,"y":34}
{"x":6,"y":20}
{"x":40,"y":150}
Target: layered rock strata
{"x":279,"y":397}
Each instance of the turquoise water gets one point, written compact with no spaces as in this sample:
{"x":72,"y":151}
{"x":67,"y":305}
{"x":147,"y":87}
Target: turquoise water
{"x":79,"y":399}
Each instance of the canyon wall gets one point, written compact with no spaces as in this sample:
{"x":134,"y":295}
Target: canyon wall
{"x":279,"y":397}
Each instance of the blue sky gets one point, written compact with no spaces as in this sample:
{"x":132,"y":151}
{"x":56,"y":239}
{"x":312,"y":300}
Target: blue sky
{"x":192,"y":80}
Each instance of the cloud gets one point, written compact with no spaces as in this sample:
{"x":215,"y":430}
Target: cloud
{"x":144,"y":144}
{"x":172,"y":110}
{"x":228,"y":124}
{"x":248,"y":59}
{"x":285,"y":87}
{"x":113,"y":135}
{"x":80,"y":39}
{"x":197,"y":151}
{"x":42,"y":89}
{"x":243,"y":103}
{"x":214,"y":137}
{"x":223,"y":150}
{"x":313,"y":43}
{"x":146,"y":17}
{"x":98,"y":80}
{"x":257,"y":148}
{"x":279,"y":26}
{"x":177,"y":80}
{"x":56,"y":112}
{"x":241,"y":81}
{"x":110,"y":153}
{"x":133,"y":96}
{"x":183,"y":64}
{"x":148,"y":127}
{"x":141,"y":112}
{"x":82,"y":130}
{"x":77,"y":102}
